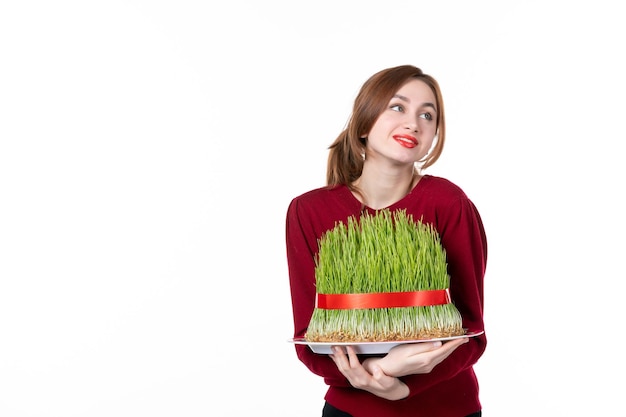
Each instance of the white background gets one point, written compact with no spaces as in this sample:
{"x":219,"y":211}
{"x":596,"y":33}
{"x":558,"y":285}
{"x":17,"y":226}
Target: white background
{"x":149,"y":150}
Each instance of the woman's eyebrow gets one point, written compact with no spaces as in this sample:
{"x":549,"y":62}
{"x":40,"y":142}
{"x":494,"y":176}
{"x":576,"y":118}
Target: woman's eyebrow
{"x":401,"y":97}
{"x":404,"y":98}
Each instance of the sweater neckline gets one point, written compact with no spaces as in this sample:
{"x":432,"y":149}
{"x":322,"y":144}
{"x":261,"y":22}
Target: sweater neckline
{"x":413,"y":191}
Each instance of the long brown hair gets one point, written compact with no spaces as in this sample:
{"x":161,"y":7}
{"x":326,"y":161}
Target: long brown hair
{"x":345,"y":160}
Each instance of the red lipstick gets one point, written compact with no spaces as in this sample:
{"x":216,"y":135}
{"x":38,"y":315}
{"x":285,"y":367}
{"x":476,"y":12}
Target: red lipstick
{"x":407,"y":141}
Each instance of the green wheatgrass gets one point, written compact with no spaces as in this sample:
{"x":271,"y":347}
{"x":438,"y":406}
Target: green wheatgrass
{"x":384,"y":252}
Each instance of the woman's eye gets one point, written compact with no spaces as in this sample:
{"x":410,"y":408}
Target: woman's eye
{"x":396,"y":107}
{"x":426,"y":116}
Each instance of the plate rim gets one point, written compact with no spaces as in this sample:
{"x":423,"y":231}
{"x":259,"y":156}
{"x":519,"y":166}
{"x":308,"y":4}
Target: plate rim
{"x":302,"y":341}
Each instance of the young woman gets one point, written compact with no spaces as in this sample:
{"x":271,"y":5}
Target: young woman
{"x":396,"y":131}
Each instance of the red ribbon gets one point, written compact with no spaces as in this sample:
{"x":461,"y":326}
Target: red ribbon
{"x":383,"y":299}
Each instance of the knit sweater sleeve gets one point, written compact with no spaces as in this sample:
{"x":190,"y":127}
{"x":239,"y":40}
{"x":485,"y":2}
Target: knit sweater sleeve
{"x":463,"y":237}
{"x":301,"y":238}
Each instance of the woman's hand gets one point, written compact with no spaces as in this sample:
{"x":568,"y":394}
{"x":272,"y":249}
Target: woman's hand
{"x":372,"y":380}
{"x":413,"y":358}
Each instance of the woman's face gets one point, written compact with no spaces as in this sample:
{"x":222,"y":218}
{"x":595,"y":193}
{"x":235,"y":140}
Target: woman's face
{"x":405,"y":130}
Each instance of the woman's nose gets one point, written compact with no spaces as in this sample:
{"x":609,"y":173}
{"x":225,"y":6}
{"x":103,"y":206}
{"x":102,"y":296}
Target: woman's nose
{"x":411,"y":123}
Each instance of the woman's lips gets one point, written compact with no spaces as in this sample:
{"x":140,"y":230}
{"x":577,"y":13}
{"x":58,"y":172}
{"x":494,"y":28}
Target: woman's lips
{"x":406,"y":140}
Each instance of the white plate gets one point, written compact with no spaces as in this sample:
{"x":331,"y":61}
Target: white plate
{"x":371,"y":348}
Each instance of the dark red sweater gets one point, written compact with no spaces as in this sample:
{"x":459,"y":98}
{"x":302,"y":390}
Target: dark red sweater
{"x":451,"y":389}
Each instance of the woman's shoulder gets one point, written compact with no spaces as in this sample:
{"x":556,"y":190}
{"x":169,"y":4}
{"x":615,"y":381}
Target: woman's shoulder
{"x":316,"y":194}
{"x":323,"y":207}
{"x":440,"y":199}
{"x":443,"y":187}
{"x":323,"y":196}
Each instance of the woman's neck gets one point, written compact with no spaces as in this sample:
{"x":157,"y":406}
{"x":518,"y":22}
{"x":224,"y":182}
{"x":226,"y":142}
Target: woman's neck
{"x":380,"y":189}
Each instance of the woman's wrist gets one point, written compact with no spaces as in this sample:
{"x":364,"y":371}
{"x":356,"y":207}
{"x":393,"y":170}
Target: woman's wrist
{"x":399,"y":392}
